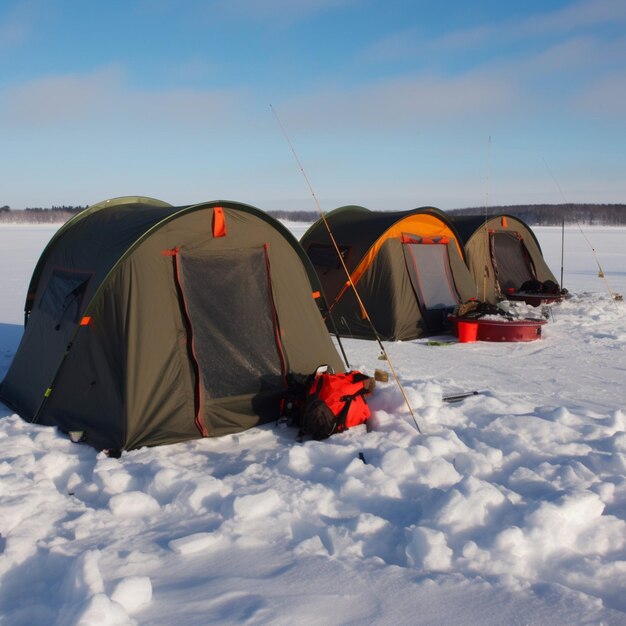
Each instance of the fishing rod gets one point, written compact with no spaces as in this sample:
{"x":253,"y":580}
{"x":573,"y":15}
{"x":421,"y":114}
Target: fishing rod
{"x":345,"y":268}
{"x":613,"y":295}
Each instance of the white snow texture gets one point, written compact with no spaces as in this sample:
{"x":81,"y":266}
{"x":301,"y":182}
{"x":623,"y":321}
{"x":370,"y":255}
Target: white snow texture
{"x":508,"y":508}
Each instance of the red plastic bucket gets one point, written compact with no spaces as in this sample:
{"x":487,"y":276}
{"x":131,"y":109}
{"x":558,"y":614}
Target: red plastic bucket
{"x":467,"y":331}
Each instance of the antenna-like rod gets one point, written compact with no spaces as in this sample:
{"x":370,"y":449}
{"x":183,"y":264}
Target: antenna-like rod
{"x":487,"y":189}
{"x":488,"y":185}
{"x":614,"y":296}
{"x":562,"y":247}
{"x":345,"y":268}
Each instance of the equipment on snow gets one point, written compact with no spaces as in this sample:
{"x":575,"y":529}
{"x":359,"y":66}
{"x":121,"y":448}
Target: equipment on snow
{"x":381,"y":376}
{"x":328,"y":403}
{"x":334,"y":403}
{"x":460,"y":396}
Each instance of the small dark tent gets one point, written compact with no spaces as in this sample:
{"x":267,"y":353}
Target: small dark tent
{"x":408,"y":267}
{"x":150,"y":324}
{"x":502,"y":253}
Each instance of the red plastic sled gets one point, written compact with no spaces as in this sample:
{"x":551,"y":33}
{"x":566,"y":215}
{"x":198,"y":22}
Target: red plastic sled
{"x":506,"y":330}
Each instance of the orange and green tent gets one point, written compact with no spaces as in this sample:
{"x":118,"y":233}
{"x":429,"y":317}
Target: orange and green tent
{"x":408,"y":267}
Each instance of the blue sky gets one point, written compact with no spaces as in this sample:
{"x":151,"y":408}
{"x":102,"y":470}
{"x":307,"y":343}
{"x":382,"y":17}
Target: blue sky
{"x":390,"y":104}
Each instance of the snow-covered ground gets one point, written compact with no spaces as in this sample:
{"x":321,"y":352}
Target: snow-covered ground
{"x":509,"y":508}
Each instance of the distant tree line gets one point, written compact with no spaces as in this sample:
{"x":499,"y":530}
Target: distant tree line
{"x":63,"y":208}
{"x":38,"y":215}
{"x":555,"y":214}
{"x":532,"y":214}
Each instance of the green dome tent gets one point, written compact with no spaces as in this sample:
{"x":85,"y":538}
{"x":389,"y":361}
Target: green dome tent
{"x":502,"y":254}
{"x":150,"y":324}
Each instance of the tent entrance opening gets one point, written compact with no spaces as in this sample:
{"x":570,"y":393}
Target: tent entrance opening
{"x":431,"y":277}
{"x":511,"y":261}
{"x":230,"y":308}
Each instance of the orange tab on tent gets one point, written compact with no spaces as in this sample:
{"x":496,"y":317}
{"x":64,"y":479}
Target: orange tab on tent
{"x":316,"y":295}
{"x":219,"y":223}
{"x":425,"y":240}
{"x":504,"y":221}
{"x":408,"y":239}
{"x":172,"y":252}
{"x":434,"y":240}
{"x":85,"y":321}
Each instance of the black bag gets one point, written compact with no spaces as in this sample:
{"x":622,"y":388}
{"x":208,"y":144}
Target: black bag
{"x":531,"y":286}
{"x":549,"y":286}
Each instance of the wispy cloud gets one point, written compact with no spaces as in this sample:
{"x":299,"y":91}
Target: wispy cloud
{"x":18,"y":22}
{"x":282,"y":11}
{"x":105,"y":96}
{"x":399,"y":45}
{"x":584,"y":14}
{"x":571,"y":66}
{"x":604,"y":97}
{"x":576,"y":61}
{"x":575,"y":19}
{"x":579,"y":75}
{"x":194,"y":68}
{"x":54,"y":99}
{"x":409,"y":102}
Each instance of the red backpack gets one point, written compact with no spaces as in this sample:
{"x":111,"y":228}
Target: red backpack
{"x":333,"y":403}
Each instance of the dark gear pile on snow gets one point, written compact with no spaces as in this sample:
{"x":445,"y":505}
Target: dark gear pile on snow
{"x":547,"y":287}
{"x":464,"y":308}
{"x":331,"y":404}
{"x":475,"y":310}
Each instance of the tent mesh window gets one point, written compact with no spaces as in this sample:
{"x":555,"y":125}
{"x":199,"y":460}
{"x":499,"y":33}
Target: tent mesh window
{"x":429,"y":270}
{"x":230,"y":308}
{"x":64,"y":295}
{"x":511,"y":260}
{"x":325,"y":256}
